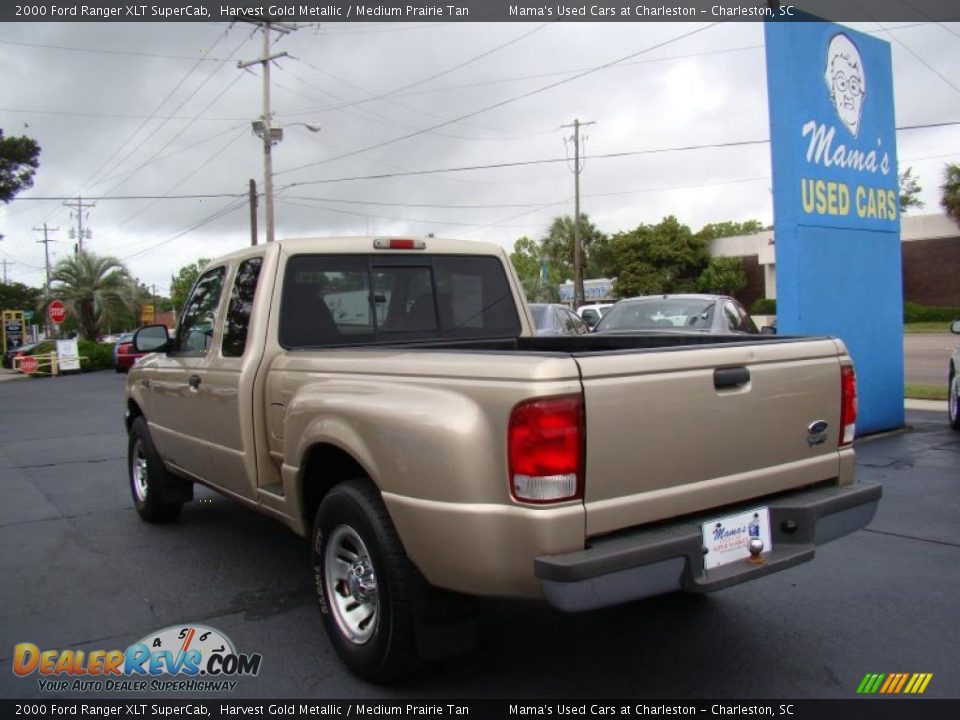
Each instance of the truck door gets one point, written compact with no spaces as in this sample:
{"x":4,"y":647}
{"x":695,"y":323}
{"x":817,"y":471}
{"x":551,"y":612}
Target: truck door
{"x":183,"y":409}
{"x":229,"y":381}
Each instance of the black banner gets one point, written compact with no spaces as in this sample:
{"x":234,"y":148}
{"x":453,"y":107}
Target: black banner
{"x":865,"y":709}
{"x":327,"y":11}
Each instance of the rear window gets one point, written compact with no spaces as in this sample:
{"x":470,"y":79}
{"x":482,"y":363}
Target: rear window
{"x":331,"y":300}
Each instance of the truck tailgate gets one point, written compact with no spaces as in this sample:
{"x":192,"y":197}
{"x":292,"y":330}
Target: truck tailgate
{"x":675,"y":432}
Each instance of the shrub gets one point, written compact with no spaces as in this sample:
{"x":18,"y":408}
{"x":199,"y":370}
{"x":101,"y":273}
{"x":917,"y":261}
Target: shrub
{"x":912,"y":312}
{"x":764,"y":306}
{"x":99,"y":356}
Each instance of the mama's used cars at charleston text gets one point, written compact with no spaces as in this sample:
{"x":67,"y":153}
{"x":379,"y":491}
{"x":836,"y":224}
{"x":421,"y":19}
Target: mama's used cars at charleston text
{"x":388,"y":398}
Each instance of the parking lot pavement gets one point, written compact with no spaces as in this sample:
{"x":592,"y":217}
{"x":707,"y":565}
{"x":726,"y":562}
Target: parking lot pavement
{"x":81,"y":571}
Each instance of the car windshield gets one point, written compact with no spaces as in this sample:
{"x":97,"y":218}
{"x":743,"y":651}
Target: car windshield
{"x":658,"y":313}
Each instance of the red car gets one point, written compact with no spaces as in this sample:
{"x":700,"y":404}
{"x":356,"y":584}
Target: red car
{"x":124,"y":356}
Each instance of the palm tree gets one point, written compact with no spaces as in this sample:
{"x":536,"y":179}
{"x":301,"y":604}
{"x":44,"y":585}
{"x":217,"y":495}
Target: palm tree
{"x":558,"y":243}
{"x":93,"y":288}
{"x":950,"y":200}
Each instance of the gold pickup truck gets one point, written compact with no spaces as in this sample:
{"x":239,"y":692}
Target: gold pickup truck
{"x":388,"y":399}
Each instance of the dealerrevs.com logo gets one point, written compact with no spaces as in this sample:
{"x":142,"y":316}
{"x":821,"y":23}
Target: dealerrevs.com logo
{"x":181,"y":658}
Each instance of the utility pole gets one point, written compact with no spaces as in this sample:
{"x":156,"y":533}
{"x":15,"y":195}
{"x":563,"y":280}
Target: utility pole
{"x":78,"y":208}
{"x":578,"y":295}
{"x":5,"y":263}
{"x":46,"y":248}
{"x":253,"y":211}
{"x":263,"y":127}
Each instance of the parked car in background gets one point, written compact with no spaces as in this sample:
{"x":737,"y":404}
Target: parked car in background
{"x":953,"y":381}
{"x":591,"y":314}
{"x":10,"y":354}
{"x":678,"y":313}
{"x":124,"y":355}
{"x":555,"y":319}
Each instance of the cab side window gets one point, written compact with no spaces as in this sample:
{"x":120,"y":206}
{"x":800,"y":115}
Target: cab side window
{"x":238,"y":309}
{"x":195,"y":333}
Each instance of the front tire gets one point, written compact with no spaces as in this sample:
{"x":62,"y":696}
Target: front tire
{"x":953,"y":402}
{"x":150,"y":483}
{"x":365,"y":584}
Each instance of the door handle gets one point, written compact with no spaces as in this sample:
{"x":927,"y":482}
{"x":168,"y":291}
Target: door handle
{"x":730,"y":377}
{"x":194,"y":382}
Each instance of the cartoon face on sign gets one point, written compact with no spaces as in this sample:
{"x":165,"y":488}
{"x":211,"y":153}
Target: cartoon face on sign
{"x":846,"y":80}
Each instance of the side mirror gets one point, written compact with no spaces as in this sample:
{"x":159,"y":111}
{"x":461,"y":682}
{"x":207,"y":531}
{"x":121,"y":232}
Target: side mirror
{"x":955,"y":327}
{"x":151,"y":338}
{"x":768,"y":330}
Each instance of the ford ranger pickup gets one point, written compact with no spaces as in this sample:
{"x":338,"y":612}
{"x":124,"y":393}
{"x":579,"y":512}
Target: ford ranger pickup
{"x":388,"y":399}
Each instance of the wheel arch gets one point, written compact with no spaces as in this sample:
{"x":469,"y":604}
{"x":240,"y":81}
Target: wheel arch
{"x":325,"y":466}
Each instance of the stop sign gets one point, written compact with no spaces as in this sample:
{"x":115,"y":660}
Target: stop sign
{"x":56,"y":312}
{"x":28,"y":364}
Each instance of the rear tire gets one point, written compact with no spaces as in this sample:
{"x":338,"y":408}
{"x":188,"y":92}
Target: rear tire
{"x":150,"y":483}
{"x":953,"y":402}
{"x":365,"y":584}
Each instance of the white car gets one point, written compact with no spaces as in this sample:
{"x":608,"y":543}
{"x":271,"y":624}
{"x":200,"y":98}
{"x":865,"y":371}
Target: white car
{"x":953,"y":381}
{"x":591,"y":314}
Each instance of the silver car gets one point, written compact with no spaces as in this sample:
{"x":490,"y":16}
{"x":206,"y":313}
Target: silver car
{"x":687,"y":313}
{"x":556,"y":319}
{"x":953,"y":381}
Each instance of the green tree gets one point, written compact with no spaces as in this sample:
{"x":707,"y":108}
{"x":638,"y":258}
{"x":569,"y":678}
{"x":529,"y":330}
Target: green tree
{"x":94,"y":289}
{"x":19,"y":160}
{"x":526,"y":259}
{"x":710,"y":231}
{"x":17,"y":296}
{"x":909,"y":189}
{"x":182,"y":283}
{"x":950,"y":197}
{"x":722,"y":276}
{"x":557,"y":245}
{"x":662,"y":258}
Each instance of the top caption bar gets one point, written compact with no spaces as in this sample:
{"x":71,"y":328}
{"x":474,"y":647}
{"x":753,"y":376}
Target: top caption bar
{"x":341,"y":11}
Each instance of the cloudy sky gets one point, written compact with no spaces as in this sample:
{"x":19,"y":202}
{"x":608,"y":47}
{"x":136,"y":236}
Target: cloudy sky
{"x":160,"y":110}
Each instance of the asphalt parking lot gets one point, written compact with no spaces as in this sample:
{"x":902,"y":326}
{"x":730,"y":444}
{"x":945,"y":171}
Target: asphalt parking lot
{"x":80,"y":570}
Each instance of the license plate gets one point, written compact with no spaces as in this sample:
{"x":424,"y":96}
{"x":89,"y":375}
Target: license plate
{"x":727,"y":539}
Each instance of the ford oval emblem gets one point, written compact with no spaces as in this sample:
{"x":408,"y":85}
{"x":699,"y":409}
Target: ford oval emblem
{"x":817,"y":427}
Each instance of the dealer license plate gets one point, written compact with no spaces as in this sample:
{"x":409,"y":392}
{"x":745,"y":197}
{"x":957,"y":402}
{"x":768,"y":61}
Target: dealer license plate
{"x":727,"y":539}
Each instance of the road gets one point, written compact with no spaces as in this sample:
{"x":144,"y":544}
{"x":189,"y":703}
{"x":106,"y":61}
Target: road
{"x":80,"y":570}
{"x":926,"y":357}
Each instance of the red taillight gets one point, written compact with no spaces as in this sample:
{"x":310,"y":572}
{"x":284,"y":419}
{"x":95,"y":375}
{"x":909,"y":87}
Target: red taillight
{"x":125,"y":349}
{"x":545,"y":449}
{"x":398,"y":244}
{"x":848,"y":404}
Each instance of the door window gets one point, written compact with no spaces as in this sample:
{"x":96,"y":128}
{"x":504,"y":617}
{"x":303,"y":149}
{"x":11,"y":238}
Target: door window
{"x":238,"y":310}
{"x":195,"y":333}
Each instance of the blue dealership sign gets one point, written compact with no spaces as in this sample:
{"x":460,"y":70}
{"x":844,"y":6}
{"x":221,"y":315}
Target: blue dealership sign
{"x":836,"y":202}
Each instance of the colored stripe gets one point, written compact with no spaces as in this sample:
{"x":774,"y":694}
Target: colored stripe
{"x":926,"y":681}
{"x":898,"y":685}
{"x":876,"y":683}
{"x":863,"y":683}
{"x":914,"y":681}
{"x":890,"y":680}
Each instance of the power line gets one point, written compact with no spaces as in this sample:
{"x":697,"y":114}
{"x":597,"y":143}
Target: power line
{"x":205,"y":221}
{"x":502,"y":102}
{"x":104,"y":51}
{"x":146,"y":120}
{"x":446,"y":71}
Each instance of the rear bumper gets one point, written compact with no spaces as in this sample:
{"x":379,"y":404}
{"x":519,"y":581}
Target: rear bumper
{"x":669,"y":557}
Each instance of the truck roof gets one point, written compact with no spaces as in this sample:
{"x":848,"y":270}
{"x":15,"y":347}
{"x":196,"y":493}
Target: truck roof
{"x":364,"y":244}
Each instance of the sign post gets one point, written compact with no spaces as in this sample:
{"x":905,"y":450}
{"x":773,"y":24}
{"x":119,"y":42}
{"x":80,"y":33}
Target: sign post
{"x":836,"y":202}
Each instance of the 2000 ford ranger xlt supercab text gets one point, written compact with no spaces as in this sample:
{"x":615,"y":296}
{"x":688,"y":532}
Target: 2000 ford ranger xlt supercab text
{"x":389,"y":399}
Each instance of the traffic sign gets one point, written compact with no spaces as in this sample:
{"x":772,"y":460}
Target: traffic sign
{"x":28,"y":364}
{"x":56,"y":312}
{"x":28,"y":315}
